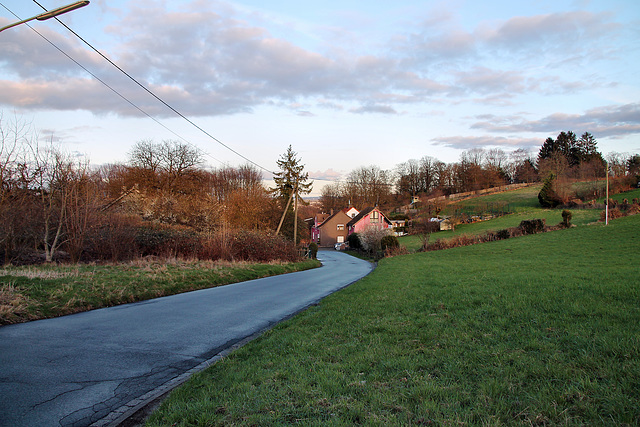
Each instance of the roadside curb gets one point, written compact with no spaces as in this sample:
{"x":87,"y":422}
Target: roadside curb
{"x":123,"y":415}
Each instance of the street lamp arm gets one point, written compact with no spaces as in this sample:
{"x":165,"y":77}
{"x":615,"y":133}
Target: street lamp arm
{"x":50,"y":14}
{"x":59,"y":11}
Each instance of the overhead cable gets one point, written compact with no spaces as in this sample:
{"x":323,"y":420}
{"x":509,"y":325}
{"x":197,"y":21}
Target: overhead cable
{"x":107,"y":85}
{"x":156,"y":96}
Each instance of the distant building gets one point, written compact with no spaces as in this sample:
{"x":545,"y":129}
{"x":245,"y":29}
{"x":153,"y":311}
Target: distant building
{"x":333,"y":230}
{"x":315,"y":230}
{"x":399,"y":227}
{"x":369,"y":217}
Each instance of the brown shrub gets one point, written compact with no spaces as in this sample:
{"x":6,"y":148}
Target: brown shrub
{"x":613,"y":214}
{"x":633,"y":209}
{"x":215,"y":247}
{"x":113,"y":239}
{"x":532,"y":226}
{"x":503,"y":234}
{"x":395,"y":251}
{"x":255,"y":246}
{"x":454,"y":242}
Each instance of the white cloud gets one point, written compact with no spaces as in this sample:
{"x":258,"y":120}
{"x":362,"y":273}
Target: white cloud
{"x":209,"y":63}
{"x":379,"y":109}
{"x":213,"y":58}
{"x":470,"y":142}
{"x":612,"y":120}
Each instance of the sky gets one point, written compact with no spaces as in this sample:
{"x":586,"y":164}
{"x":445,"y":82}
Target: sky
{"x":346,"y":83}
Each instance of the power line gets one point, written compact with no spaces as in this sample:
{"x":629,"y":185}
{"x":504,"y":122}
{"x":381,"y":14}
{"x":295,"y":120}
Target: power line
{"x":107,"y":85}
{"x":156,"y":96}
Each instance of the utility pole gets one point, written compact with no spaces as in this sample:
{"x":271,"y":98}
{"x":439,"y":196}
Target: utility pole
{"x":606,"y":201}
{"x":284,"y":214}
{"x":295,"y":214}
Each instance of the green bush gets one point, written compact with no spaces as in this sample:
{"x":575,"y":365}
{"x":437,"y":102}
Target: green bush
{"x":354,"y":241}
{"x":389,"y":242}
{"x":313,"y":250}
{"x":547,"y":196}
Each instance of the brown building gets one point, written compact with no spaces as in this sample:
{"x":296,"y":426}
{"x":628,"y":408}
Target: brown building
{"x":334,"y":229}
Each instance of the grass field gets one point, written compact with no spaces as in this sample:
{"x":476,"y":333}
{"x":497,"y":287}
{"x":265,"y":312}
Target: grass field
{"x":520,"y":200}
{"x":524,"y":203}
{"x":37,"y":292}
{"x":551,"y":216}
{"x":629,"y":195}
{"x":537,"y":330}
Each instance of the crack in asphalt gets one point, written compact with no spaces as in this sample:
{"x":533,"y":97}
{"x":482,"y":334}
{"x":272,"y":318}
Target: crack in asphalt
{"x":56,"y":397}
{"x":127,"y":390}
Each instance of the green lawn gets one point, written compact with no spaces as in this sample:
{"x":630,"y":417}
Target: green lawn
{"x":629,"y":195}
{"x":541,"y":329}
{"x":37,"y":292}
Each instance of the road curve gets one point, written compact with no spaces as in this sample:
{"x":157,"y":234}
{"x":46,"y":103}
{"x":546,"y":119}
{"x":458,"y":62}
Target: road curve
{"x":75,"y":370}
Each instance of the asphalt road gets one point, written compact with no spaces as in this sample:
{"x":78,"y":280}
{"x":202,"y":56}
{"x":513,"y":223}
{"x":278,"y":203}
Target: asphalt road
{"x":75,"y":370}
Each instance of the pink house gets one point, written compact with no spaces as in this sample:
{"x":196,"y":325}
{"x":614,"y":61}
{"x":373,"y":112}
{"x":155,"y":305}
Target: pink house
{"x":369,"y":217}
{"x":315,"y":228}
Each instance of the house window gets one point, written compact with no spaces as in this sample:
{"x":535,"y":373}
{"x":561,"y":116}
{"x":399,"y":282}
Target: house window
{"x":340,"y":239}
{"x":374,"y":217}
{"x":340,"y":227}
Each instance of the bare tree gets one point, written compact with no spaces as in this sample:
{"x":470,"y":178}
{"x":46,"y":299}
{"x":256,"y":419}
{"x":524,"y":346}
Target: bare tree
{"x":13,"y":197}
{"x":368,"y":186}
{"x":617,"y":163}
{"x":332,"y":197}
{"x":408,"y":179}
{"x":167,"y":166}
{"x":83,"y":203}
{"x":52,"y":176}
{"x":371,"y":237}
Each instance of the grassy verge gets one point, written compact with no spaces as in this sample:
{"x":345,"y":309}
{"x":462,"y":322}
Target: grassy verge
{"x":543,"y":329}
{"x":37,"y":292}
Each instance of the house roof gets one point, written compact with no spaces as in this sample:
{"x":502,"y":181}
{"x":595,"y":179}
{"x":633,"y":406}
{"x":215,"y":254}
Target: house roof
{"x":320,"y":218}
{"x":364,"y":213}
{"x":332,"y":216}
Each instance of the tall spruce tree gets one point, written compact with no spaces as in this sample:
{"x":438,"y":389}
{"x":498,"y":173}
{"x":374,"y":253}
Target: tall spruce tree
{"x":291,"y":176}
{"x":291,"y":182}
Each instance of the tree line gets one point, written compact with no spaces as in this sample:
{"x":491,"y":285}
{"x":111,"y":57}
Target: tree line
{"x":161,"y":201}
{"x":566,"y":157}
